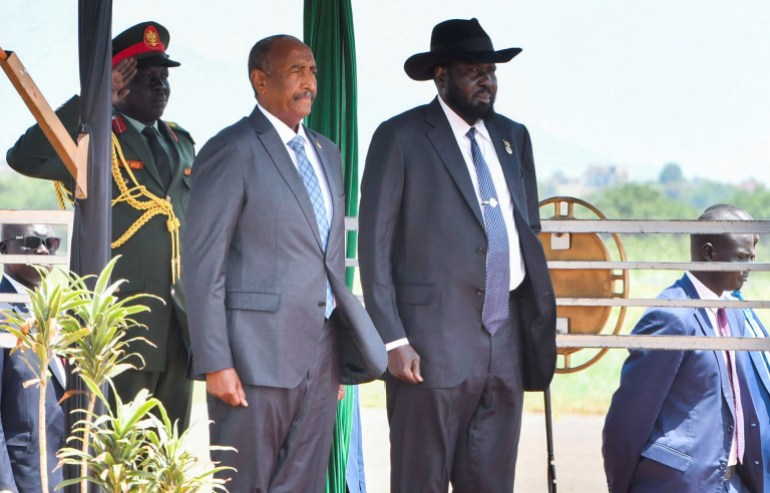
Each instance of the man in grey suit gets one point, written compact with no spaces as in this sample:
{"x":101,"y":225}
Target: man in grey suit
{"x":454,"y":276}
{"x":273,"y":328}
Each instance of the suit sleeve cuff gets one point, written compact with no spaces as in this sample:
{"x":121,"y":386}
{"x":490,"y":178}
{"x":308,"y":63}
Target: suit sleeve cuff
{"x":396,"y":344}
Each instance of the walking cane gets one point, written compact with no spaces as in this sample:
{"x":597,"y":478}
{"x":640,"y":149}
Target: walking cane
{"x":549,"y":442}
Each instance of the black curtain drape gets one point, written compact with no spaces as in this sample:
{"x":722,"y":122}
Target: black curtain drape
{"x":93,"y":221}
{"x":91,"y":234}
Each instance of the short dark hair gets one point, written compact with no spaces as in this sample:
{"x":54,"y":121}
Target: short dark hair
{"x":259,"y":56}
{"x":717,"y":212}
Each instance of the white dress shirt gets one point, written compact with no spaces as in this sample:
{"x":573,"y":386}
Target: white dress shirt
{"x":460,"y":129}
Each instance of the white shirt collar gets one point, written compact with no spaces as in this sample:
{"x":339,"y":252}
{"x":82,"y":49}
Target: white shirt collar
{"x":460,"y":127}
{"x":285,"y":132}
{"x":703,"y":291}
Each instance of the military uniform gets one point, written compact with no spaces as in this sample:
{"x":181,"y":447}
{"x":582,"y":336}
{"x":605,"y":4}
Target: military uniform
{"x":147,"y":219}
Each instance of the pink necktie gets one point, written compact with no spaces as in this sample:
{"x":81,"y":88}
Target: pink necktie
{"x":724,"y":330}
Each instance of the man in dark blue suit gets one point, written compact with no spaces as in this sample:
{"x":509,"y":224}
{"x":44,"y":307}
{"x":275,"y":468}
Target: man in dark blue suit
{"x":759,"y":380}
{"x":685,"y":421}
{"x":19,"y":453}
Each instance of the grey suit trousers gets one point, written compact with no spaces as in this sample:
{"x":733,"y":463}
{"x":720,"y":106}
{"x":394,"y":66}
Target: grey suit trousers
{"x":468,"y":434}
{"x":283,"y":439}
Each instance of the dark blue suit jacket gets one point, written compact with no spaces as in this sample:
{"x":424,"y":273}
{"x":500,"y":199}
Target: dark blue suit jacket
{"x":759,"y":382}
{"x":670,"y":424}
{"x":19,"y":458}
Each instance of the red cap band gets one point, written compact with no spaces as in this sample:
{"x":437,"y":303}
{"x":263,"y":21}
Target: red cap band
{"x":150,"y":43}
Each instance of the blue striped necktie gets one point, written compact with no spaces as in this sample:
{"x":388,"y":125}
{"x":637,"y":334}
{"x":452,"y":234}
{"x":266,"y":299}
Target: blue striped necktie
{"x":313,"y":187}
{"x":495,"y":312}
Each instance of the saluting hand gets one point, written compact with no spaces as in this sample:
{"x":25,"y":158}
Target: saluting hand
{"x":226,"y":385}
{"x":122,"y":74}
{"x":404,"y":364}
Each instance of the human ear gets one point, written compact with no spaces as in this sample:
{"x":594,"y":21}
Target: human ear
{"x":258,"y":80}
{"x":439,"y":77}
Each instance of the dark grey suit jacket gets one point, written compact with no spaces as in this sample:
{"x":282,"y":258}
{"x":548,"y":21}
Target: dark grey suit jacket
{"x":422,"y":245}
{"x":254,"y":268}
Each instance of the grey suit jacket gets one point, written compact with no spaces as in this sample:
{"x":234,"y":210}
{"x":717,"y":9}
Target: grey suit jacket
{"x":254,"y":268}
{"x":422,"y":245}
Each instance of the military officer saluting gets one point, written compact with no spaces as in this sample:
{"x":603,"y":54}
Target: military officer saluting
{"x":151,"y":167}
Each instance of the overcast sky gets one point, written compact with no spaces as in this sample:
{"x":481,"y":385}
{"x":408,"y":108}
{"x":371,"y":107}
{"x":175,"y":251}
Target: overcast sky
{"x":637,"y":84}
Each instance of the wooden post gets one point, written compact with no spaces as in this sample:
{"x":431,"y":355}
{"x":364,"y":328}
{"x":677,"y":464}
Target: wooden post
{"x":74,"y":155}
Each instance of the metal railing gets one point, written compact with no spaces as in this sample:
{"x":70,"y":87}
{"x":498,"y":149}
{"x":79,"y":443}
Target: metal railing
{"x":637,"y":227}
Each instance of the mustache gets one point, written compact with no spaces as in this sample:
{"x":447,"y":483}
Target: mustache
{"x":305,"y":94}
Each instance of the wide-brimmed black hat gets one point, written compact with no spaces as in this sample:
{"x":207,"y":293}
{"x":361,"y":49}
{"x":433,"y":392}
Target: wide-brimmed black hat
{"x":456,"y":39}
{"x":147,"y":42}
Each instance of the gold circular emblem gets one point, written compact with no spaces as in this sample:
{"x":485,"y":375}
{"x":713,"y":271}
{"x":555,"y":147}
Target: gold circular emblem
{"x":151,"y":37}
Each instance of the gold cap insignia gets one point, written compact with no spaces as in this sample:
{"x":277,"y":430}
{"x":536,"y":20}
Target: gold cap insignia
{"x":151,"y":37}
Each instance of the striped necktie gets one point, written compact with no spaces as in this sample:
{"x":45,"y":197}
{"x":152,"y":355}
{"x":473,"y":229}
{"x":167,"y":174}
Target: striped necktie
{"x":495,"y":312}
{"x":736,"y":452}
{"x":313,"y":187}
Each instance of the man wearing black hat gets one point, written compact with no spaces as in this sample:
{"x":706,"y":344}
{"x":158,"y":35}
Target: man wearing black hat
{"x":152,"y":163}
{"x":453,"y":274}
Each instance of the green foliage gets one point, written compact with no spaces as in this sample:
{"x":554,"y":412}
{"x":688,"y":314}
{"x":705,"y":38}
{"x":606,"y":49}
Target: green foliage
{"x":756,"y":202}
{"x":52,"y":327}
{"x":135,"y":451}
{"x":671,"y":173}
{"x":174,"y":466}
{"x":639,"y":201}
{"x":120,"y":457}
{"x":50,"y":330}
{"x":22,"y":192}
{"x":129,"y":449}
{"x":102,"y":353}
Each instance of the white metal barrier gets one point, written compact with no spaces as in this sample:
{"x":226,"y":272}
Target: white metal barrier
{"x":566,"y":227}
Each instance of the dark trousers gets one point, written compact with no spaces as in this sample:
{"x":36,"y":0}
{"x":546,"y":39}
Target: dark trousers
{"x":467,"y":435}
{"x":171,"y":387}
{"x":284,"y":437}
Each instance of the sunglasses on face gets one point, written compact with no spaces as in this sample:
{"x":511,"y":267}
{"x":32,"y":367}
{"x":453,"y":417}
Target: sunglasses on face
{"x":32,"y":243}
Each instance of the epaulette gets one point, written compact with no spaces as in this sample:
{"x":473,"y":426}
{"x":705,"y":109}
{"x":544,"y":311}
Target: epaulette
{"x":118,"y":124}
{"x":174,"y":127}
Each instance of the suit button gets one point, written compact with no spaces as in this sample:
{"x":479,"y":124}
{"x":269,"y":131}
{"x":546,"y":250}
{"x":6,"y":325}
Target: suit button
{"x":482,"y":251}
{"x":479,"y":292}
{"x":722,"y":465}
{"x":730,"y":429}
{"x":322,"y":304}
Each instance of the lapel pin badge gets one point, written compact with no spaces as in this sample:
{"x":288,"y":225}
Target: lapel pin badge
{"x":507,"y":146}
{"x":317,"y":144}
